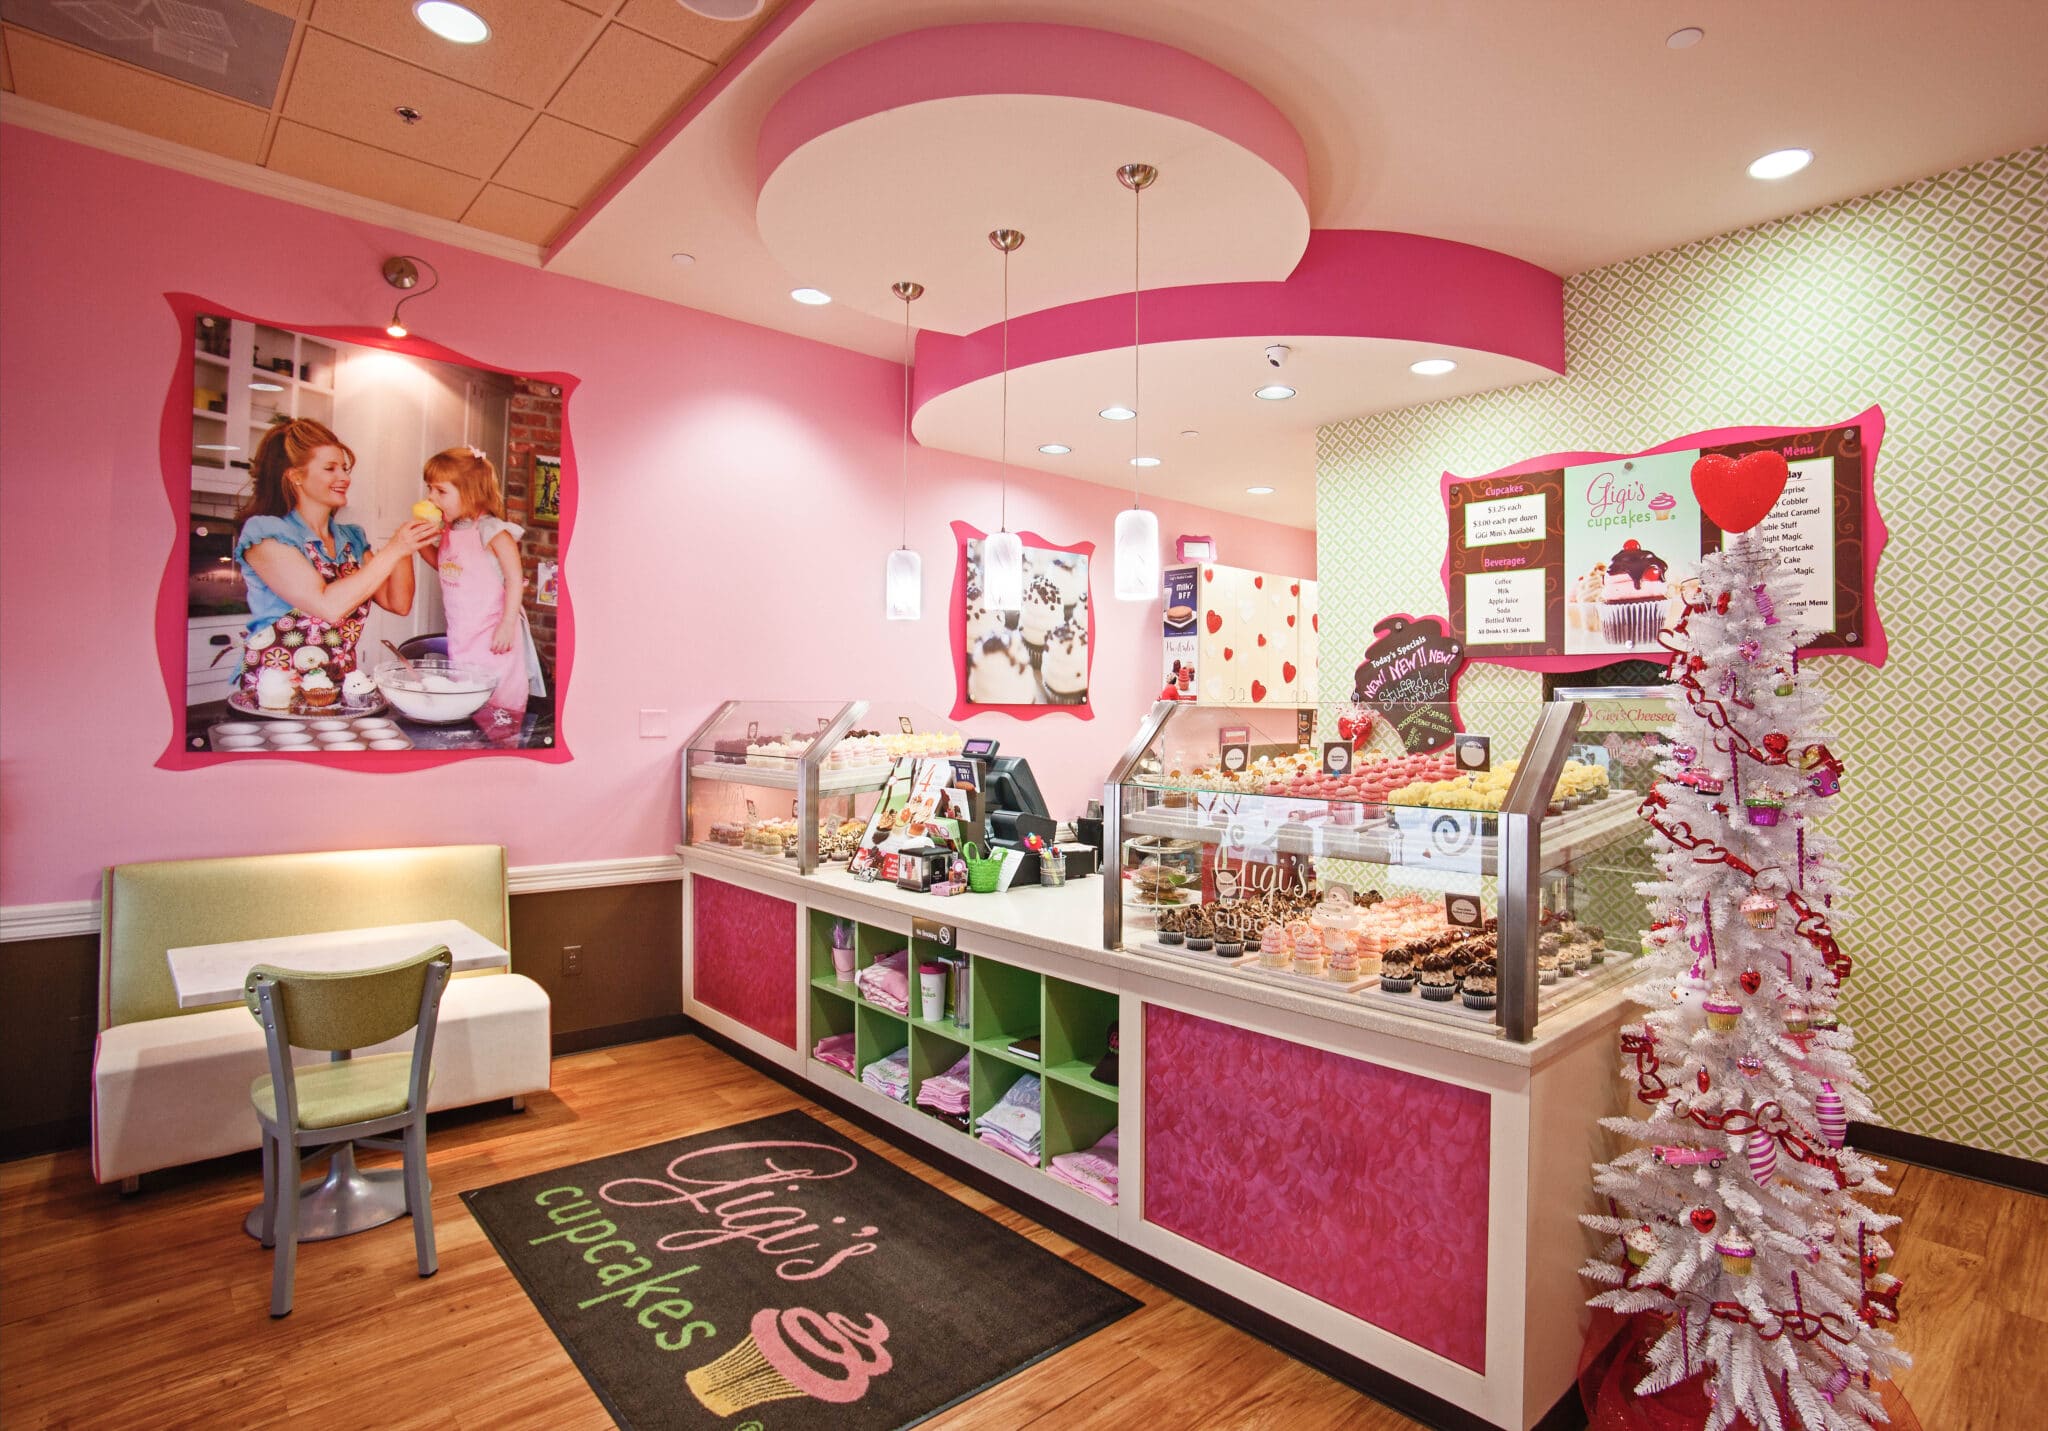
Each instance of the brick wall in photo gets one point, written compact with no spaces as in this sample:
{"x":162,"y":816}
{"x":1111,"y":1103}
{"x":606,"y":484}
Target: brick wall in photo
{"x":535,"y":427}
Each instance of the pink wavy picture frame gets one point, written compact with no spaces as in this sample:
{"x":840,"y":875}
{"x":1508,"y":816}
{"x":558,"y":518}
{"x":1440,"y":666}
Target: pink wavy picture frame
{"x":956,"y":627}
{"x":1874,"y":648}
{"x":174,"y":447}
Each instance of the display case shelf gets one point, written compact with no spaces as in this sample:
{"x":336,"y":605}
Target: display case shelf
{"x":764,"y":777}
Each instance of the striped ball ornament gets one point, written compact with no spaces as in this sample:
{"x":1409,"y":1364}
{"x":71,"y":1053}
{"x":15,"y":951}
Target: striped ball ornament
{"x":1763,"y":1156}
{"x":1834,"y":1118}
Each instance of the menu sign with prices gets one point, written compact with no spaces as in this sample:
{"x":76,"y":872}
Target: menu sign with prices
{"x":1410,"y":676}
{"x":1576,"y":560}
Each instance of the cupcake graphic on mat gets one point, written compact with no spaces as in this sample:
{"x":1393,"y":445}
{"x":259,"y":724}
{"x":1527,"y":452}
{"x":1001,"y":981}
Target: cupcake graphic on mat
{"x":1662,"y":506}
{"x":1632,"y":597}
{"x":798,"y":1352}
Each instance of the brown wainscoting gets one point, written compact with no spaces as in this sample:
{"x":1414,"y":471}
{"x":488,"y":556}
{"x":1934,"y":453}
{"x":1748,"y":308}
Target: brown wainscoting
{"x":48,"y":1017}
{"x":2001,"y":1169}
{"x":631,"y":936}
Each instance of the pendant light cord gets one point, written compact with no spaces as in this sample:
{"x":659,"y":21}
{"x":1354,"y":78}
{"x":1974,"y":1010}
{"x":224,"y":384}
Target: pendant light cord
{"x":1005,"y":461}
{"x":1138,"y":407}
{"x":906,"y":423}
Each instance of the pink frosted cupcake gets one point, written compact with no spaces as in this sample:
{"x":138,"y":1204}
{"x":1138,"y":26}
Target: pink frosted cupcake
{"x":1273,"y":947}
{"x":1738,"y":1257}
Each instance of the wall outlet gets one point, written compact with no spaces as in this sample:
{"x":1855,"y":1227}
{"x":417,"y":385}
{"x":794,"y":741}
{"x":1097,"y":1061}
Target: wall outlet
{"x":653,"y":725}
{"x":572,"y":960}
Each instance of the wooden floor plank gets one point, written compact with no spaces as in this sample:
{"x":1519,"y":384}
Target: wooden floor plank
{"x":151,"y":1311}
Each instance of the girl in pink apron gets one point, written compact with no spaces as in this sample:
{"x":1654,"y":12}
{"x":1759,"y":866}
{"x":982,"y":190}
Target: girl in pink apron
{"x":481,"y":587}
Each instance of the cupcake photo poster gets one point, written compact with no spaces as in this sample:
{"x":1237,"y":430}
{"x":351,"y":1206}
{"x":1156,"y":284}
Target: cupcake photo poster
{"x":1631,"y":536}
{"x":1037,"y":655}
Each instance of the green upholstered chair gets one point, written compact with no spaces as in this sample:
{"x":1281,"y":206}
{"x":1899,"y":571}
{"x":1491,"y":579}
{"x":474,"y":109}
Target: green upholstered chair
{"x":348,"y":1099}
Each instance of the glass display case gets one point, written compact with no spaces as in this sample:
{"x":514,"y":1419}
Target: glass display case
{"x":1489,"y":883}
{"x":795,"y":780}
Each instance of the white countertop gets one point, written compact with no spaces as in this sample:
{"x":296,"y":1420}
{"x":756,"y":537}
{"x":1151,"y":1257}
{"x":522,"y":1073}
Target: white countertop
{"x":1068,"y":920}
{"x":206,"y":974}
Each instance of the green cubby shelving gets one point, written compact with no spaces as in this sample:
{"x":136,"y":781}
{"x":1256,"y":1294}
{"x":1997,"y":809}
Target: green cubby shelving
{"x":876,"y":1034}
{"x":831,"y":1013}
{"x":1074,"y":1119}
{"x":820,"y":970}
{"x":1076,"y":1036}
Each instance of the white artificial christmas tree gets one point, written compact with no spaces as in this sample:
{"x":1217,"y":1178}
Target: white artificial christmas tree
{"x":1739,"y":1219}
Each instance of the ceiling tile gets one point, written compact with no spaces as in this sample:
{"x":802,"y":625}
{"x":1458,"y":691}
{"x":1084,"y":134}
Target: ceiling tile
{"x":363,"y":169}
{"x":231,"y":47}
{"x":561,"y":161}
{"x":51,"y":73}
{"x":516,"y":215}
{"x":712,"y":40}
{"x":532,"y":45}
{"x":348,"y":90}
{"x":628,"y":85}
{"x":294,"y":8}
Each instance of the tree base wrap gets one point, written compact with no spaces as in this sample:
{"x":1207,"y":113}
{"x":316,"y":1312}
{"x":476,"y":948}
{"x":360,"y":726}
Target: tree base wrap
{"x":1616,"y":1358}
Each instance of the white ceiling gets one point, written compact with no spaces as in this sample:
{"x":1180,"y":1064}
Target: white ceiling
{"x":1563,"y":132}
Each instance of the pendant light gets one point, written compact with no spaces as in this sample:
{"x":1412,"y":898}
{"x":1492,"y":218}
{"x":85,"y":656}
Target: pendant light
{"x":903,"y":582}
{"x":1002,"y":555}
{"x":1137,"y":530}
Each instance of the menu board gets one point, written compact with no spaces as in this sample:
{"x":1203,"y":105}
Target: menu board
{"x":1410,"y":676}
{"x":1576,"y":560}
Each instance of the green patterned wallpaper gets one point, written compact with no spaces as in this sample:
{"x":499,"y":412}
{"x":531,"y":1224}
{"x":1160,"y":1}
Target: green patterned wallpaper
{"x":1931,"y":300}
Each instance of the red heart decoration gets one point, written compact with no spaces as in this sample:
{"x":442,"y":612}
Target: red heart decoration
{"x":1737,"y":495}
{"x":1287,"y":672}
{"x":1259,"y":581}
{"x":1262,"y":638}
{"x":1751,"y":981}
{"x":1294,"y":589}
{"x":1316,"y":621}
{"x":1290,"y":618}
{"x":1703,"y":1219}
{"x":1208,"y":573}
{"x":1258,"y":691}
{"x":1226,"y":653}
{"x":1215,"y":622}
{"x":1777,"y":744}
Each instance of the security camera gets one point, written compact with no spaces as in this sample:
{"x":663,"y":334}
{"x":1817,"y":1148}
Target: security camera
{"x":1277,"y":354}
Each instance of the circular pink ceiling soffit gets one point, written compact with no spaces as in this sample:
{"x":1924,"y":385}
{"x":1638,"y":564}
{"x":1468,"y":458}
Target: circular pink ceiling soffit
{"x":895,"y":161}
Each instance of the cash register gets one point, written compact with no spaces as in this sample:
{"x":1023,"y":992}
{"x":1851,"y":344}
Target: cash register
{"x":1016,"y":808}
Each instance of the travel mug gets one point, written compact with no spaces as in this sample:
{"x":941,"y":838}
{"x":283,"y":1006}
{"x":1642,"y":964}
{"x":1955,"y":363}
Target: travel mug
{"x":931,"y":988}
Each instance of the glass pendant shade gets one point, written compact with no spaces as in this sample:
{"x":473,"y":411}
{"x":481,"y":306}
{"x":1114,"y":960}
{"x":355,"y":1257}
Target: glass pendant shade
{"x":1137,"y":555}
{"x":903,"y":586}
{"x":1002,"y":571}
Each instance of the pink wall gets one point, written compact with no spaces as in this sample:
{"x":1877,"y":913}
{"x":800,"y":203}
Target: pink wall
{"x":738,"y":493}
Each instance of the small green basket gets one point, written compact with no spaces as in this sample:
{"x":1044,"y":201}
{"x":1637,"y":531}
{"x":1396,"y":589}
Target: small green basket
{"x":982,"y":873}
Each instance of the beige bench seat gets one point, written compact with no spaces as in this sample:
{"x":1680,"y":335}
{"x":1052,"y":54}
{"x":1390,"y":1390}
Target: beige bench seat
{"x":171,"y":1086}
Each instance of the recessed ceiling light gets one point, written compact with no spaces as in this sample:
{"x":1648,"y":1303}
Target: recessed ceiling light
{"x":1781,"y":164}
{"x":684,"y":259}
{"x":451,"y":21}
{"x":266,"y":387}
{"x":1117,"y":414}
{"x":1432,"y":367}
{"x":1274,"y":392}
{"x":812,"y":296}
{"x":1684,"y":39}
{"x":1144,"y":462}
{"x":1189,"y":432}
{"x":1054,"y":449}
{"x":1258,"y":491}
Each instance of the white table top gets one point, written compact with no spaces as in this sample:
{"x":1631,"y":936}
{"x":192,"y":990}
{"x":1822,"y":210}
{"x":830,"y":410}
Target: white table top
{"x":206,"y":974}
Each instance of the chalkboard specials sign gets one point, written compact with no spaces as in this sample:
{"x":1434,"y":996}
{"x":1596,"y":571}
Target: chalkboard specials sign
{"x":1410,"y":676}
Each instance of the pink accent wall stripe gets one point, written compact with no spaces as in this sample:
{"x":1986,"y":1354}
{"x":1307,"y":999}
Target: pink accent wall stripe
{"x":1356,"y":283}
{"x":1059,"y":60}
{"x":743,"y":956}
{"x":1362,"y":1186}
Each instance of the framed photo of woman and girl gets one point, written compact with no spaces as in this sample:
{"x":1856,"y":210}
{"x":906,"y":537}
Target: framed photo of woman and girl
{"x":371,"y":569}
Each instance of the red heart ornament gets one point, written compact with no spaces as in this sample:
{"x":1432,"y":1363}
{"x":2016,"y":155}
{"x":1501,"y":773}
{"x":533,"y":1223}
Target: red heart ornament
{"x":1777,"y":744}
{"x":1290,"y":618}
{"x":1287,"y":672}
{"x":1316,"y":621}
{"x":1262,"y":638}
{"x":1751,"y":981}
{"x":1295,"y":589}
{"x":1258,"y":691}
{"x":1208,"y":573}
{"x":1739,"y":494}
{"x":1215,"y":622}
{"x":1227,"y":653}
{"x":1703,"y":1081}
{"x":1703,"y":1219}
{"x":1259,"y":581}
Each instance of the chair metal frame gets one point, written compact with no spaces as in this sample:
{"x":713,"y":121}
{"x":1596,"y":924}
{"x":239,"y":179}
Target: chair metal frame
{"x":285,"y":1143}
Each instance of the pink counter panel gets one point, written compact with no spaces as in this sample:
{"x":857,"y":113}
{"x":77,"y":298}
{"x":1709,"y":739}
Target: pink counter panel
{"x":1363,"y":1186}
{"x":743,"y":954}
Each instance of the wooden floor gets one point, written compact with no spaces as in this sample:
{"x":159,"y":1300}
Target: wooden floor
{"x":151,"y":1312}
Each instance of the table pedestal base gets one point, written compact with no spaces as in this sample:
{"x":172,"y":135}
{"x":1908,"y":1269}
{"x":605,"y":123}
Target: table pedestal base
{"x":346,"y":1200}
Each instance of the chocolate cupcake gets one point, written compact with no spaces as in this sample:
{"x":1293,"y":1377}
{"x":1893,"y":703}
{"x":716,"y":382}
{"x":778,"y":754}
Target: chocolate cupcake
{"x":1397,"y":968}
{"x":1201,"y":931}
{"x":1480,"y":983}
{"x":1438,"y":977}
{"x":1173,"y":926}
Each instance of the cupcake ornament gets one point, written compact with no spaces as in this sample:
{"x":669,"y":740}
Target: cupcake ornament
{"x":1738,"y":1254}
{"x":1760,"y":909}
{"x":1765,"y":805}
{"x":1722,"y":1011}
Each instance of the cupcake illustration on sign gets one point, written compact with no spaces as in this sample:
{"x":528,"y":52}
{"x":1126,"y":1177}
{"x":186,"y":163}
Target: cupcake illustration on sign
{"x":1662,"y":506}
{"x":798,"y":1352}
{"x":1632,"y":597}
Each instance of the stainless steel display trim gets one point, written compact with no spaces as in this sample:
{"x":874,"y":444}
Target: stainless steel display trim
{"x":808,"y":768}
{"x":1113,"y":822}
{"x":697,"y":736}
{"x":1521,"y":863}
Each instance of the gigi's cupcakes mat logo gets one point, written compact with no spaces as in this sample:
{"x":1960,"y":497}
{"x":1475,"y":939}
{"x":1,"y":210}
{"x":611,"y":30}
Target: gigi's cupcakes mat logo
{"x":774,"y":1274}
